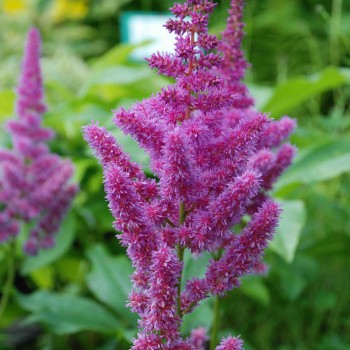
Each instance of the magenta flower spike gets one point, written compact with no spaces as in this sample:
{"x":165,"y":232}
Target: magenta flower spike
{"x":34,"y":183}
{"x":214,"y":159}
{"x":234,"y":64}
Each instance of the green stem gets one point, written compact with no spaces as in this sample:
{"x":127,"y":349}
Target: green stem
{"x":182,"y":213}
{"x":9,"y":281}
{"x":215,"y":325}
{"x":335,"y":32}
{"x":180,"y":254}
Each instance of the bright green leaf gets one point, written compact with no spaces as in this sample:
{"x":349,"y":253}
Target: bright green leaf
{"x":202,"y":316}
{"x":194,"y":266}
{"x":7,"y":101}
{"x":116,"y":56}
{"x":66,"y":314}
{"x":44,"y":277}
{"x":117,"y":75}
{"x":109,"y":280}
{"x":288,"y":232}
{"x":294,"y":92}
{"x":71,"y":269}
{"x":321,"y":161}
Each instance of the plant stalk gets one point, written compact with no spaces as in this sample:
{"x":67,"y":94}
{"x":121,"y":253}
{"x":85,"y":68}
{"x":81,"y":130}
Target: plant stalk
{"x":215,"y":325}
{"x":9,"y":280}
{"x":180,"y":254}
{"x":335,"y":20}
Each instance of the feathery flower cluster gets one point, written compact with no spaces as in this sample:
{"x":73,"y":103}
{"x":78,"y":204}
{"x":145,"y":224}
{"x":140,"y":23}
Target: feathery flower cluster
{"x":214,"y":158}
{"x":34,"y":183}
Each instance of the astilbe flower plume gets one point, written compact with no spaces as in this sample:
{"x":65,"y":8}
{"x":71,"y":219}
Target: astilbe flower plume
{"x":214,"y":159}
{"x":34,"y":183}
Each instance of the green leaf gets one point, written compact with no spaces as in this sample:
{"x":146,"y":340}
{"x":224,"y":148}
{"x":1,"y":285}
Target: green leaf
{"x":254,"y":287}
{"x":295,"y":91}
{"x":296,"y":276}
{"x":64,"y":240}
{"x":288,"y":232}
{"x":44,"y":277}
{"x":321,"y":161}
{"x":117,"y":75}
{"x":7,"y":101}
{"x":81,"y":167}
{"x":109,"y":280}
{"x":194,"y":266}
{"x":202,"y":316}
{"x":130,"y":146}
{"x":115,"y":56}
{"x":66,"y":314}
{"x":292,"y":284}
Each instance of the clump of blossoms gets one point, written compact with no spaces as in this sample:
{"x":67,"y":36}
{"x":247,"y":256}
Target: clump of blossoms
{"x":34,"y":183}
{"x":214,"y":158}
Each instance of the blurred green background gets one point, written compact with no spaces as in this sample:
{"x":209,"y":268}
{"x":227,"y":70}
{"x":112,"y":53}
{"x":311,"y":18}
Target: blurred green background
{"x":73,"y":297}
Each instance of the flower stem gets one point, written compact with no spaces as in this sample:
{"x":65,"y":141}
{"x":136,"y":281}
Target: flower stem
{"x":180,"y":254}
{"x":9,"y":280}
{"x":215,"y":325}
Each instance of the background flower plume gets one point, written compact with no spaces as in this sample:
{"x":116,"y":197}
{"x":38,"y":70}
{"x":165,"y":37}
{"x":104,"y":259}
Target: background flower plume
{"x":34,"y":183}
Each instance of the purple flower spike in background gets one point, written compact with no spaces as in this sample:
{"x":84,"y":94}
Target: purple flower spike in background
{"x":214,"y":158}
{"x":34,"y":183}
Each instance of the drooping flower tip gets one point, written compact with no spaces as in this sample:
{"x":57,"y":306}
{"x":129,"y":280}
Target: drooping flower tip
{"x":195,"y":291}
{"x":261,"y":227}
{"x":283,"y":159}
{"x":230,"y":343}
{"x":161,"y":314}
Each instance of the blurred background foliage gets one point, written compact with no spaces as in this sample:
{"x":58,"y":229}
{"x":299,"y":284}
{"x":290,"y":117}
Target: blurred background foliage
{"x":73,"y":297}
